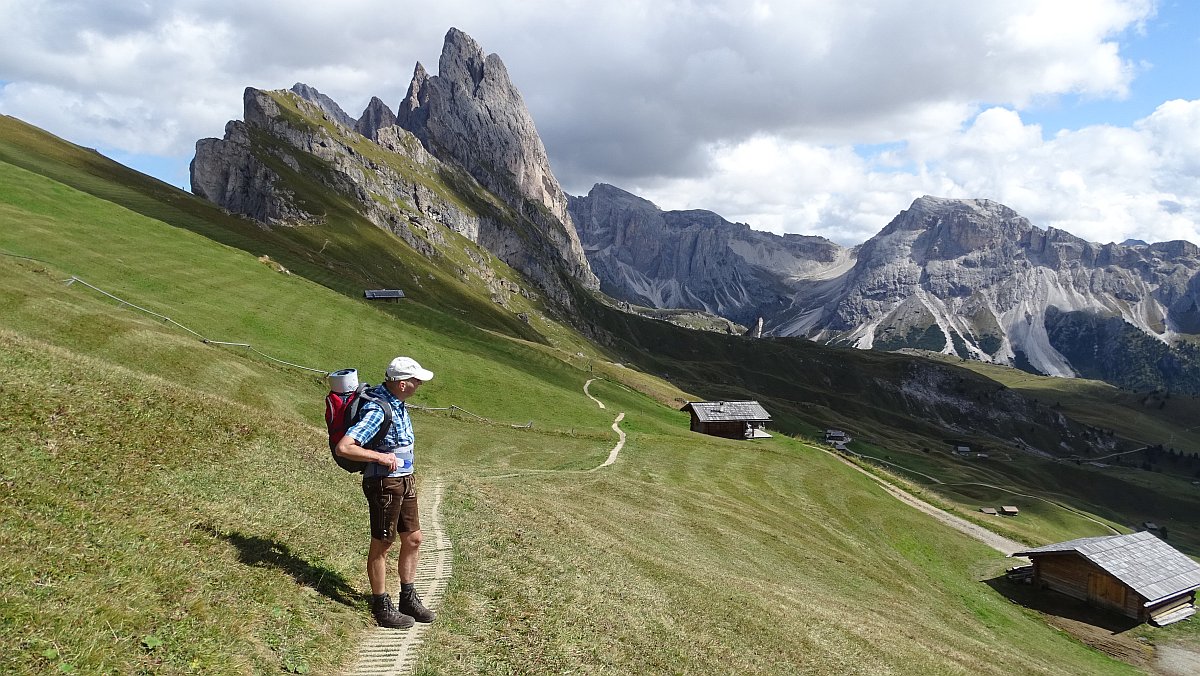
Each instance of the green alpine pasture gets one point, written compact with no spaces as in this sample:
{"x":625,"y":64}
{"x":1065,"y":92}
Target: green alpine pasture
{"x":169,"y":506}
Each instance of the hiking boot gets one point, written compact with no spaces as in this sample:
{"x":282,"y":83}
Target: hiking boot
{"x":410,"y":604}
{"x":386,"y":614}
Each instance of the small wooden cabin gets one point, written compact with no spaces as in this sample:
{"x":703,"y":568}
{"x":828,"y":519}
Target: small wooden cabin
{"x":729,"y":419}
{"x":1137,"y":575}
{"x":834,"y":436}
{"x":383,"y":294}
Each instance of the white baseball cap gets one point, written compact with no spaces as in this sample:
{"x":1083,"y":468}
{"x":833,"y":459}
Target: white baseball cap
{"x":403,"y":368}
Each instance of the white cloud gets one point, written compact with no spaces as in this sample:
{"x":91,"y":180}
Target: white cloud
{"x":756,"y":110}
{"x":1102,"y":183}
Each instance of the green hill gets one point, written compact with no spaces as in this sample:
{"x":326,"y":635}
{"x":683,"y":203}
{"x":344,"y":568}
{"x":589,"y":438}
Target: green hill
{"x":169,"y":505}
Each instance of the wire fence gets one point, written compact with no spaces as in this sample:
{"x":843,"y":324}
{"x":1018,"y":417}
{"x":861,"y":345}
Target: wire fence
{"x":208,"y":341}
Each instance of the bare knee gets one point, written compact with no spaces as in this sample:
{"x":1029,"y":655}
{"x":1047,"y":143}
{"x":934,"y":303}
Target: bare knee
{"x":378,"y":548}
{"x":411,"y":539}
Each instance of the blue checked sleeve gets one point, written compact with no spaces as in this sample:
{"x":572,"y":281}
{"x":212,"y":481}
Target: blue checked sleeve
{"x":368,"y":425}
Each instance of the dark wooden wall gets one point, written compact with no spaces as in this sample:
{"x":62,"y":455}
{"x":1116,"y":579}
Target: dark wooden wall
{"x":1075,"y":576}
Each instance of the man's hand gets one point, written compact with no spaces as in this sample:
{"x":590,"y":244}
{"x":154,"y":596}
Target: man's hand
{"x":388,"y":460}
{"x":348,"y":448}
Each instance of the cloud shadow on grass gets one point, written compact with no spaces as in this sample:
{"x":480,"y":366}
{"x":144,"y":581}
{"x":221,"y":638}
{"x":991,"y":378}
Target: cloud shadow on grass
{"x":258,"y":551}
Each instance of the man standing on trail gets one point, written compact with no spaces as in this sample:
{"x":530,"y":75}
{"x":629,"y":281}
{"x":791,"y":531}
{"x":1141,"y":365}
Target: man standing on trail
{"x":391,"y":492}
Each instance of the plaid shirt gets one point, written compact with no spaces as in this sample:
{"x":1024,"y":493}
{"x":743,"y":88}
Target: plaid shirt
{"x":399,"y":438}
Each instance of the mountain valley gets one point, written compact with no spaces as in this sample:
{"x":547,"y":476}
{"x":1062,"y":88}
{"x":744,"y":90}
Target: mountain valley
{"x":210,"y":531}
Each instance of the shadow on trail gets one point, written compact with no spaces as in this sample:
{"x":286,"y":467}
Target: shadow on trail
{"x":253,"y":550}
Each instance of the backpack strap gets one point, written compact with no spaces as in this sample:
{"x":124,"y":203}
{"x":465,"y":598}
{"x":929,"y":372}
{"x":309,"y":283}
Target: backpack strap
{"x":384,"y":406}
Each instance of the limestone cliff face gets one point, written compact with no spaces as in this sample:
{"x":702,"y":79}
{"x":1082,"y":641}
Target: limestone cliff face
{"x":974,"y":278}
{"x":302,"y":138}
{"x":966,"y":277}
{"x":228,"y":173}
{"x":243,"y":172}
{"x":694,"y":259}
{"x":471,"y":114}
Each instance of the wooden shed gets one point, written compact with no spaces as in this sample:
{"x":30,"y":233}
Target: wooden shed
{"x":1137,"y":575}
{"x":383,"y":294}
{"x":729,"y":419}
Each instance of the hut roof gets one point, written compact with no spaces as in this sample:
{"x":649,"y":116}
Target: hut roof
{"x":1149,"y":566}
{"x":727,"y":411}
{"x":374,"y":294}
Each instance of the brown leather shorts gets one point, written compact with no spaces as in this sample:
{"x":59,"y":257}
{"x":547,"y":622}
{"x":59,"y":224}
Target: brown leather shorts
{"x":393,"y":505}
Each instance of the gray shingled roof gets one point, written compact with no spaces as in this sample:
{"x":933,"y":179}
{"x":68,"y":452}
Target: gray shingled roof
{"x":725,"y":411}
{"x":1149,"y":566}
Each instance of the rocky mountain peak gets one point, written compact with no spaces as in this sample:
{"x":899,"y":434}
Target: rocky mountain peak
{"x":939,"y":228}
{"x":967,"y":277}
{"x":473,"y":136}
{"x":612,"y":195}
{"x":331,"y":108}
{"x":471,"y":114}
{"x":376,"y":116}
{"x":412,"y":114}
{"x":463,"y":61}
{"x":693,"y":258}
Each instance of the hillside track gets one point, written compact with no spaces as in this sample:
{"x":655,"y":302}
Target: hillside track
{"x":998,"y":542}
{"x":589,"y":394}
{"x":612,"y":455}
{"x":393,"y":652}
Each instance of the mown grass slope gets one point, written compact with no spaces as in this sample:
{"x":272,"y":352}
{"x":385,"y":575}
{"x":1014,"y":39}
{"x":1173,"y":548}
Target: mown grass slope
{"x":170,"y":506}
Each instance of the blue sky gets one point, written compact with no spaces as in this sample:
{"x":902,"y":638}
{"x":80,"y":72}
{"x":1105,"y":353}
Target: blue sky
{"x":1167,"y":57}
{"x":799,"y":116}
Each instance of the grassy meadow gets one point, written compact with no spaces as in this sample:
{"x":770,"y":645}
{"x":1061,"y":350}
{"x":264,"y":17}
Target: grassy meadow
{"x":168,"y":506}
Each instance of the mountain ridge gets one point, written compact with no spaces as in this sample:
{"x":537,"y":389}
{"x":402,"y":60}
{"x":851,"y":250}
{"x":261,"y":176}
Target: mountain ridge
{"x":448,"y":169}
{"x":967,"y":277}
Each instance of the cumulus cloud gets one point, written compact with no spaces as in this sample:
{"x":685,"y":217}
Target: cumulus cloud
{"x":1102,"y":183}
{"x":796,"y":115}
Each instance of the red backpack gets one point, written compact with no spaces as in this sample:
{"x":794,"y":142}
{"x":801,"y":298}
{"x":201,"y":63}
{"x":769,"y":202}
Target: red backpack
{"x":342,"y":411}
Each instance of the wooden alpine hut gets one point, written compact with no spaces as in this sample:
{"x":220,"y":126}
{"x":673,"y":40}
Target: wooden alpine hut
{"x":1137,"y":575}
{"x":729,"y":419}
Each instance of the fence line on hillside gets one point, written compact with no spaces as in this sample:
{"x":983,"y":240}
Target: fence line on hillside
{"x":199,"y":335}
{"x":208,"y":341}
{"x":454,"y":407}
{"x":28,"y":258}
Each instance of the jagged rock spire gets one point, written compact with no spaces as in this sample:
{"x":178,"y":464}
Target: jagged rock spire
{"x":376,"y":116}
{"x":470,"y":113}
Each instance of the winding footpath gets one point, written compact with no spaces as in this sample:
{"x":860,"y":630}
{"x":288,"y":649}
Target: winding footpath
{"x":589,"y":394}
{"x":392,"y":652}
{"x":998,"y":542}
{"x":612,"y":455}
{"x":1002,"y":489}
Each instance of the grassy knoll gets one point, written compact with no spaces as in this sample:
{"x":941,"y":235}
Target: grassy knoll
{"x":170,"y":507}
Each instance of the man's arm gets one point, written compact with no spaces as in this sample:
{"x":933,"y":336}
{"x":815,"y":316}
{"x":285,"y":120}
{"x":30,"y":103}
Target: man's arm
{"x":349,"y":446}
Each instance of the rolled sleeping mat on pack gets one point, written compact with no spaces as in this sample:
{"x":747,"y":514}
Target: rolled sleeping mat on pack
{"x":345,"y":380}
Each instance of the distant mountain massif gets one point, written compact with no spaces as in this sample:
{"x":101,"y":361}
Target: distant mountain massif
{"x":962,"y":277}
